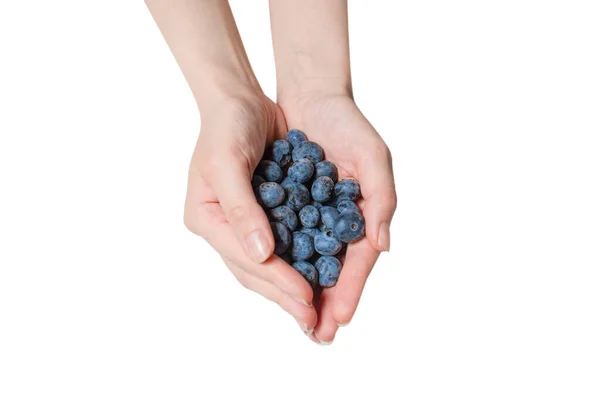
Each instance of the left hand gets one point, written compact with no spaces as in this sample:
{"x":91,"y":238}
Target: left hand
{"x":353,"y":145}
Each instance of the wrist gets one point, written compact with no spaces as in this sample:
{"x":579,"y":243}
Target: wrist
{"x":299,"y":90}
{"x":224,"y":88}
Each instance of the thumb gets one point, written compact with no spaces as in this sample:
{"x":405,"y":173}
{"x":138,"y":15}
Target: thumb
{"x":379,"y":192}
{"x":230,"y":179}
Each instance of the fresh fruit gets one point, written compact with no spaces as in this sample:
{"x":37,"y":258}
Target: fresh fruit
{"x":286,"y":216}
{"x":302,"y":246}
{"x":301,"y":171}
{"x":347,"y":189}
{"x":309,"y":216}
{"x":322,"y":189}
{"x":349,"y":227}
{"x":313,"y":216}
{"x":271,"y":194}
{"x":329,"y":270}
{"x":309,"y":150}
{"x":280,"y":152}
{"x":282,"y":237}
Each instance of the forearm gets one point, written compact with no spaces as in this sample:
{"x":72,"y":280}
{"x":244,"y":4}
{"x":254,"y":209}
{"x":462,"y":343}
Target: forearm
{"x":204,"y":39}
{"x":310,"y":40}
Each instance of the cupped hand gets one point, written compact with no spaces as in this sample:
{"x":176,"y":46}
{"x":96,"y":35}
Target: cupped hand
{"x":221,"y":206}
{"x":353,"y":145}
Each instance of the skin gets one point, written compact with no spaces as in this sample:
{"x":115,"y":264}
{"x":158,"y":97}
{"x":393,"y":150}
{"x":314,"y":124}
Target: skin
{"x":314,"y":94}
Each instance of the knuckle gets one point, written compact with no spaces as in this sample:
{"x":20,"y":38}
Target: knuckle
{"x":391,"y":198}
{"x":237,"y":213}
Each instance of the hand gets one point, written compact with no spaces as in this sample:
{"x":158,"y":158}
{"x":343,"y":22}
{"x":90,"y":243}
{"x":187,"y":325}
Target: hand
{"x":353,"y":145}
{"x":221,"y":206}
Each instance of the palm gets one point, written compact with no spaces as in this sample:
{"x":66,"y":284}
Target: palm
{"x":352,"y":144}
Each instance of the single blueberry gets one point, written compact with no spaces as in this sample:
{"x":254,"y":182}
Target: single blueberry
{"x":322,"y":189}
{"x":282,"y":237}
{"x":347,"y":189}
{"x":326,"y":168}
{"x":327,"y":244}
{"x":309,"y":150}
{"x":328,"y":216}
{"x":329,"y":269}
{"x":302,"y":246}
{"x":271,"y":194}
{"x":297,"y":196}
{"x":309,"y":216}
{"x":312,"y":232}
{"x":301,"y":171}
{"x":269,"y":170}
{"x":347,"y":206}
{"x":286,"y":216}
{"x":295,"y":137}
{"x":280,"y":152}
{"x":308,"y":271}
{"x":349,"y":227}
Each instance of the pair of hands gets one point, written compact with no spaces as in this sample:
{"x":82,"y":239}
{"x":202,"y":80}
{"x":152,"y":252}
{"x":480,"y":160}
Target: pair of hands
{"x":221,"y":206}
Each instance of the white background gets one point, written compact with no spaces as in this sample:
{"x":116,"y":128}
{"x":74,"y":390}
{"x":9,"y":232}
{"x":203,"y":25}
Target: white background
{"x":491,"y":291}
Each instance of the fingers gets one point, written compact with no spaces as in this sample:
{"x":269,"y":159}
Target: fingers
{"x":327,"y":326}
{"x":306,"y":316}
{"x":208,"y":221}
{"x":229,"y":176}
{"x":360,"y":259}
{"x":379,"y":191}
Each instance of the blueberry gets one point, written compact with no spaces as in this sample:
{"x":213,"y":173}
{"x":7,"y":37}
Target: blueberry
{"x":297,"y":196}
{"x":308,"y":271}
{"x":309,"y":150}
{"x":301,"y":171}
{"x":309,"y":216}
{"x":333,"y":202}
{"x":287,"y":182}
{"x":347,"y":206}
{"x":286,"y":216}
{"x":326,"y":168}
{"x":328,"y":216}
{"x":322,"y":189}
{"x":280,"y":152}
{"x":327,"y":244}
{"x":347,"y":189}
{"x":312,"y":232}
{"x":287,"y":257}
{"x":349,"y":227}
{"x":282,"y":237}
{"x":271,"y":194}
{"x":302,"y":246}
{"x":257,"y":180}
{"x":317,"y":205}
{"x":329,"y":269}
{"x":295,"y":137}
{"x":269,"y":170}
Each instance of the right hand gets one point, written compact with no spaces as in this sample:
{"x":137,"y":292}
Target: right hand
{"x":221,"y":207}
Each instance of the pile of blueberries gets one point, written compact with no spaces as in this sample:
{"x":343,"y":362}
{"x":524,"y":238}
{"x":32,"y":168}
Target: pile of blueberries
{"x":313,"y":216}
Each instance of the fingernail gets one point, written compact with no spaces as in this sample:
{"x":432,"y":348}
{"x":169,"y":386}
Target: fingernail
{"x":299,"y":300}
{"x":304,"y":328}
{"x":342,"y":325}
{"x":257,"y":246}
{"x":322,"y":342}
{"x":384,"y":236}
